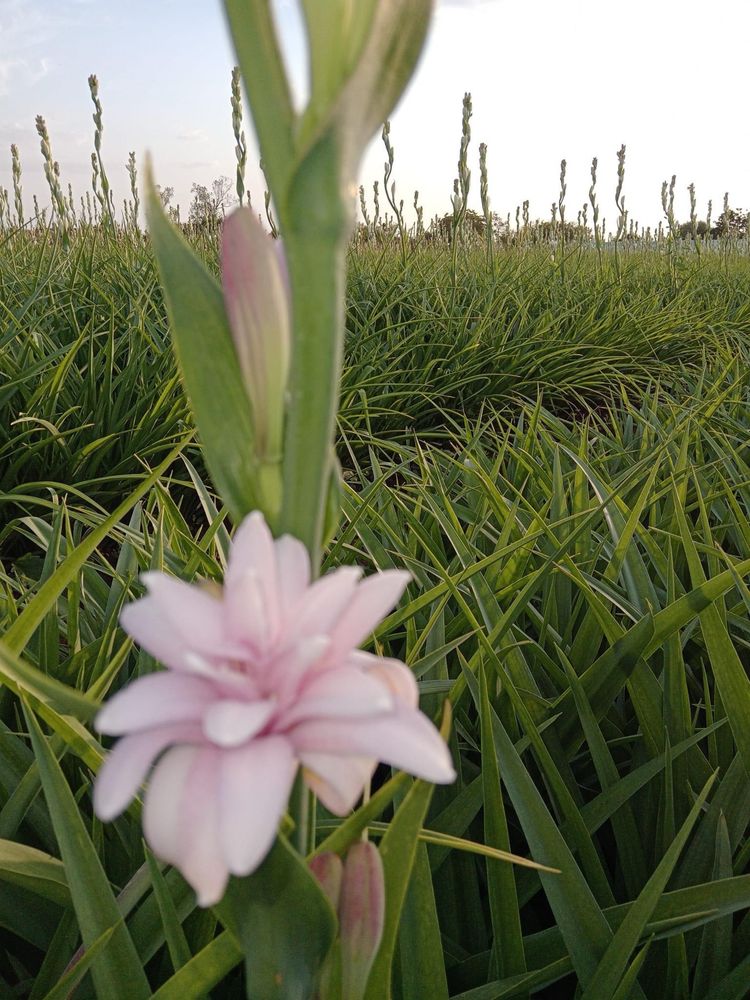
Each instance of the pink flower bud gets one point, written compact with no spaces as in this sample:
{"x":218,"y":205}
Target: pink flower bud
{"x":256,"y":295}
{"x":328,"y":870}
{"x":361,"y":917}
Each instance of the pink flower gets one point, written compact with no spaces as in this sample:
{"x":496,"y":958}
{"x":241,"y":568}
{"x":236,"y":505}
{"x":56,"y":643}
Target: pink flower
{"x":261,"y":678}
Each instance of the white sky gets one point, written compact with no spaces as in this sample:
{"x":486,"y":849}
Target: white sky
{"x":549,"y":79}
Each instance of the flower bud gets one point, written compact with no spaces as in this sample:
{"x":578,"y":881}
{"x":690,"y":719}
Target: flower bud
{"x":361,"y":916}
{"x":257,"y":303}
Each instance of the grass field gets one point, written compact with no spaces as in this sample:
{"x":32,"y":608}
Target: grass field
{"x":561,"y":457}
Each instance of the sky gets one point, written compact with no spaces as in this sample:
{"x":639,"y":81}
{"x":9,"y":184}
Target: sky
{"x":549,"y":79}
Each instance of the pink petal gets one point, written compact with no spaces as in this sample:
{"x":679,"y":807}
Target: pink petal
{"x":144,"y":621}
{"x":337,"y":781}
{"x":325,"y":601}
{"x":181,"y":818}
{"x":290,"y":668}
{"x":155,"y":700}
{"x":293,"y":566}
{"x":396,"y":676}
{"x":255,"y":782}
{"x":405,"y":739}
{"x":371,"y":602}
{"x":249,"y":614}
{"x":229,"y":723}
{"x":190,"y":610}
{"x":127,"y":764}
{"x":253,"y":549}
{"x":336,"y":693}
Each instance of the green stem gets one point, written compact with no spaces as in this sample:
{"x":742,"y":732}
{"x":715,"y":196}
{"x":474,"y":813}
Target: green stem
{"x":299,"y":809}
{"x":316,"y":275}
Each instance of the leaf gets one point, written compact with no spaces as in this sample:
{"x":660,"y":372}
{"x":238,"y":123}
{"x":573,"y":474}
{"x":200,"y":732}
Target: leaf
{"x":603,"y":985}
{"x":65,"y":986}
{"x":33,"y":614}
{"x":179,"y":950}
{"x":204,"y":971}
{"x":422,"y":964}
{"x":21,"y":677}
{"x":208,"y":362}
{"x":37,"y":871}
{"x":117,"y":971}
{"x":398,"y":850}
{"x":507,"y":938}
{"x":284,"y":924}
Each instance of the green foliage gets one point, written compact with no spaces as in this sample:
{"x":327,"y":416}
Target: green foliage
{"x":563,"y":467}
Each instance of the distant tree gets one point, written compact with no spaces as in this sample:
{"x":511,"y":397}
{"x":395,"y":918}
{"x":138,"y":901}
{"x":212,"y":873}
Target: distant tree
{"x":731,"y":223}
{"x":686,"y":229}
{"x":473,"y":223}
{"x":209,"y":205}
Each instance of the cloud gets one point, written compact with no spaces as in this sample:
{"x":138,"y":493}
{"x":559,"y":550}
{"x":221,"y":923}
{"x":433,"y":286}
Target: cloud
{"x":24,"y":30}
{"x":193,"y":135}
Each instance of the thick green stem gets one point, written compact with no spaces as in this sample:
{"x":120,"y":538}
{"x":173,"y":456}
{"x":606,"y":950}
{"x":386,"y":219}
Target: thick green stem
{"x":315,"y":223}
{"x":317,"y":282}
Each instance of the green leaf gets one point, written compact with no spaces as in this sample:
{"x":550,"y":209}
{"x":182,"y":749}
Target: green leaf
{"x":208,"y":362}
{"x":507,"y":937}
{"x":422,"y":964}
{"x":605,"y":981}
{"x":117,"y":971}
{"x":37,"y":871}
{"x":179,"y":950}
{"x":731,"y":677}
{"x":20,"y":677}
{"x":581,"y":922}
{"x":204,"y":971}
{"x":65,"y":986}
{"x":33,"y":614}
{"x":398,"y":849}
{"x":284,"y":924}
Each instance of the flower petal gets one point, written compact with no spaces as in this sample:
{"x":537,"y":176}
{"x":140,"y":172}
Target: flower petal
{"x":128,"y":762}
{"x":325,"y":601}
{"x":255,"y":782}
{"x":253,"y":551}
{"x":145,"y":622}
{"x":229,"y":723}
{"x":373,"y":599}
{"x":181,"y":818}
{"x":155,"y":700}
{"x":249,"y":614}
{"x":290,"y":668}
{"x":406,"y":739}
{"x":396,"y":676}
{"x":338,"y":693}
{"x":293,"y":565}
{"x":191,"y":610}
{"x":337,"y":781}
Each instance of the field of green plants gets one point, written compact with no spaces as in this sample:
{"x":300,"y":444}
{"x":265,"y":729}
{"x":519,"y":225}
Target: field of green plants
{"x":562,"y":462}
{"x":551,"y":431}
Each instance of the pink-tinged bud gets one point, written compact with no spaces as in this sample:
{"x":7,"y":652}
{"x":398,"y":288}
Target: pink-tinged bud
{"x":361,"y":917}
{"x":256,"y":296}
{"x":328,"y":870}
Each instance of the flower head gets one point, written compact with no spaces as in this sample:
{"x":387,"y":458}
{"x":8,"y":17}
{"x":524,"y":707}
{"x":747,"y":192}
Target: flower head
{"x":260,"y":679}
